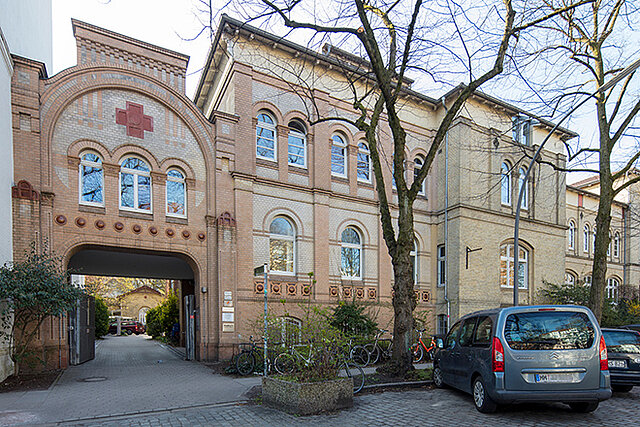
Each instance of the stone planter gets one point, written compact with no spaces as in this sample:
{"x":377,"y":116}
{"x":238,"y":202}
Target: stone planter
{"x":307,"y":398}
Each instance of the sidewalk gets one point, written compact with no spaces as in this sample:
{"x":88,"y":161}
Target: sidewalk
{"x":130,"y":374}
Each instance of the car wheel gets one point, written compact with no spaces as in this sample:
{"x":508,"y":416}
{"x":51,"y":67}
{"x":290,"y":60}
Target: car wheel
{"x":481,"y":399}
{"x":584,"y":407}
{"x":437,"y":377}
{"x":621,"y":388}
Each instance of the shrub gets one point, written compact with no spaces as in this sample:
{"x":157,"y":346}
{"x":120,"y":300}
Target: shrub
{"x":160,"y":319}
{"x":102,"y":318}
{"x":351,"y":319}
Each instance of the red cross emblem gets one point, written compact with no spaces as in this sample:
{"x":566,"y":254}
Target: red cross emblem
{"x":134,"y":119}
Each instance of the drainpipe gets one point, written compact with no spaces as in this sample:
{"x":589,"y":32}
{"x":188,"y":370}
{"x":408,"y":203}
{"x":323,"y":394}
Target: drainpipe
{"x":446,"y":218}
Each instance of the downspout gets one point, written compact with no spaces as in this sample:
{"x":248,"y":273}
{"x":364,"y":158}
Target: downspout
{"x":446,"y":217}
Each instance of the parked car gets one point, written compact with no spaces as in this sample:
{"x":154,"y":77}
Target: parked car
{"x":127,"y":326}
{"x":635,"y":327}
{"x":526,"y":354}
{"x":623,"y":348}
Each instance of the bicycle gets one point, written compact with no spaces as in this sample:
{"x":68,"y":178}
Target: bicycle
{"x":287,"y":362}
{"x":420,"y":349}
{"x":358,"y":354}
{"x":252,"y":357}
{"x":375,"y":349}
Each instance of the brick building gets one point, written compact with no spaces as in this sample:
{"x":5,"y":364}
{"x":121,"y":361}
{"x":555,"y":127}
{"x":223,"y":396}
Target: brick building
{"x":123,"y":175}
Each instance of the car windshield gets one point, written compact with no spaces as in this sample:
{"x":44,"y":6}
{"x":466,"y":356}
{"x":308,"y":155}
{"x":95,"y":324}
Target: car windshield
{"x":549,"y":330}
{"x":622,"y":342}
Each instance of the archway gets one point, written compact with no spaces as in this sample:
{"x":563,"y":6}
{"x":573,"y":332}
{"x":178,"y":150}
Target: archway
{"x":178,"y":271}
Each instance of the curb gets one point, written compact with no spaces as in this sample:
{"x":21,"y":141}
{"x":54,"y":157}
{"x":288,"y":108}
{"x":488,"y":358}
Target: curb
{"x":410,"y":384}
{"x":146,"y":412}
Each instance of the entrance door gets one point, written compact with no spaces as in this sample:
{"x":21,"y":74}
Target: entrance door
{"x":82,"y":331}
{"x":190,"y":327}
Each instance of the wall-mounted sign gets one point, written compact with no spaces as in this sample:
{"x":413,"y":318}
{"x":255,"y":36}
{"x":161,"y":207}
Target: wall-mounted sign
{"x":227,"y":327}
{"x":228,"y":295}
{"x":228,"y":309}
{"x":227,"y":303}
{"x":227,"y":317}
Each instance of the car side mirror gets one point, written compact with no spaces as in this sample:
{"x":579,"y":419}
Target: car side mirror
{"x":439,"y":344}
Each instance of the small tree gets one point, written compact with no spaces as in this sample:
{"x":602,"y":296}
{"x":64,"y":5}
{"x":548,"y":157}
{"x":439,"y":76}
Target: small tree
{"x":351,"y":319}
{"x":102,"y":318}
{"x":160,"y":319}
{"x":34,"y":288}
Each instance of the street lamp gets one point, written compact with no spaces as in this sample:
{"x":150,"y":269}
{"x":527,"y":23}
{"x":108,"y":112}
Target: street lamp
{"x":516,"y":247}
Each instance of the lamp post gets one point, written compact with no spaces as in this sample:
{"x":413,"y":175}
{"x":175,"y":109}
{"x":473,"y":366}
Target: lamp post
{"x":516,"y":247}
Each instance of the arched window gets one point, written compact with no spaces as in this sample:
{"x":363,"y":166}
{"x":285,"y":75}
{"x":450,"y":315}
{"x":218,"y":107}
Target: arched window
{"x":351,"y":254}
{"x":613,"y":285}
{"x":338,"y":156}
{"x":525,"y":193}
{"x":505,"y":184}
{"x":569,"y":278}
{"x":586,"y":281}
{"x":135,"y":185}
{"x":593,"y":242}
{"x":91,"y":180}
{"x":571,"y":234}
{"x":364,"y":163}
{"x":176,"y":193}
{"x":290,"y":330}
{"x":414,"y":262}
{"x":609,"y":247}
{"x":142,"y":315}
{"x":297,"y":144}
{"x":586,"y":237}
{"x":417,"y":165}
{"x":616,"y":245}
{"x":266,"y":147}
{"x":506,"y":267}
{"x":281,"y":246}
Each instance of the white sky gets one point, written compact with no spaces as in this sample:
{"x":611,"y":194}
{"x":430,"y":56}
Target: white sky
{"x":152,"y":21}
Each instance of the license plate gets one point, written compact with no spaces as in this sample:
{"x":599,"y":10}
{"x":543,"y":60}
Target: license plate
{"x":554,"y":378}
{"x":618,"y":364}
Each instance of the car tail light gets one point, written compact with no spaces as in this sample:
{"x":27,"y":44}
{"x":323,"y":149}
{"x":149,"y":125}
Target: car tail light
{"x":546,"y":309}
{"x":604,"y":363}
{"x":497,"y":351}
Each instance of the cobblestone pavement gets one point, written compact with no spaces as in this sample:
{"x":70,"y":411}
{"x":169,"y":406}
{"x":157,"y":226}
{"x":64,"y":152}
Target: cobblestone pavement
{"x":129,"y":374}
{"x":421,"y":407}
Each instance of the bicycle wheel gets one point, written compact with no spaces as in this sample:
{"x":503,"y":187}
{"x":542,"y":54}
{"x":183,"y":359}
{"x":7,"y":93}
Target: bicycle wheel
{"x":245,"y":363}
{"x":285,"y":363}
{"x":356,"y":373}
{"x":359,"y":355}
{"x":417,"y":353}
{"x":374,"y":353}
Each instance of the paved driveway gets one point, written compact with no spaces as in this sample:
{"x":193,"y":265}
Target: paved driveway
{"x":129,"y":374}
{"x":423,"y":407}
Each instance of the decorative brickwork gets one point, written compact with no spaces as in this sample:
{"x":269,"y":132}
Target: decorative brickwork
{"x":24,"y":190}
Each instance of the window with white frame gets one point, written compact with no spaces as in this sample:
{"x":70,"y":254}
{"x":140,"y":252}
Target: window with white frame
{"x":135,"y":185}
{"x":506,"y":267}
{"x":571,"y":234}
{"x":609,"y":247}
{"x":176,"y":193}
{"x":351,"y":254}
{"x":505,"y":184}
{"x":338,"y":156}
{"x":417,"y":165}
{"x":290,"y":330}
{"x":297,"y":144}
{"x":569,"y":278}
{"x":525,"y":192}
{"x":521,"y":129}
{"x":612,"y":289}
{"x":586,"y":237}
{"x":586,"y":281}
{"x":616,"y":245}
{"x":414,"y":262}
{"x":266,"y":143}
{"x":364,"y":163}
{"x":281,"y":246}
{"x":91,"y":180}
{"x":593,"y":242}
{"x":442,"y":265}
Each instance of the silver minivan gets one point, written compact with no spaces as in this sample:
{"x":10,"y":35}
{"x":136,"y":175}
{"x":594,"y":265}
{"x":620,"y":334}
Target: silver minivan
{"x":550,"y":353}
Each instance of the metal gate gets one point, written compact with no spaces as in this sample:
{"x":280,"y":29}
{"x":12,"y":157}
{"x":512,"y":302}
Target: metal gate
{"x":82,"y":331}
{"x":190,"y":327}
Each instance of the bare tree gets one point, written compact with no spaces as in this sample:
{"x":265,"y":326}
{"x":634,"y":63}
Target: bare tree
{"x":436,"y":41}
{"x":588,"y":46}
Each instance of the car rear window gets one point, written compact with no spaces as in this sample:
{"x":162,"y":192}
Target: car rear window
{"x":622,"y":342}
{"x":549,"y":330}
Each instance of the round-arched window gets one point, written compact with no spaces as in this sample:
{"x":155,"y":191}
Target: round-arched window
{"x":338,"y":156}
{"x":91,"y":180}
{"x":135,"y":185}
{"x":351,"y":254}
{"x":282,"y":246}
{"x":266,"y":146}
{"x":176,"y":193}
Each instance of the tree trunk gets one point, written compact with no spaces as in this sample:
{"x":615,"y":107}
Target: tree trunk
{"x":603,"y":222}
